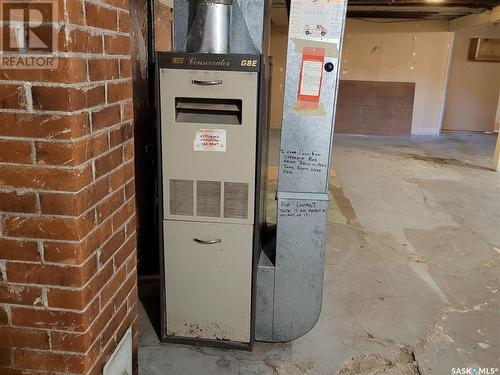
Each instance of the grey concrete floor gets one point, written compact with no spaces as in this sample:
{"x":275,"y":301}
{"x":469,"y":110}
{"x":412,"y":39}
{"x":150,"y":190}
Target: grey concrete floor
{"x":420,"y":266}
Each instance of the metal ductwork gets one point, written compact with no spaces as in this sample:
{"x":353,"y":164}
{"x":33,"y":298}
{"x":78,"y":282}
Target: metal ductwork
{"x":211,"y":29}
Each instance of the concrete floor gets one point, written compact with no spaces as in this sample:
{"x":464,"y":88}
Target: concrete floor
{"x":419,"y":265}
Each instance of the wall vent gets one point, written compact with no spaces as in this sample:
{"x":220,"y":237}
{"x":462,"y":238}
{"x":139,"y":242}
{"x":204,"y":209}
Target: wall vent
{"x":181,"y":197}
{"x":208,"y":198}
{"x":235,"y":200}
{"x":120,"y":362}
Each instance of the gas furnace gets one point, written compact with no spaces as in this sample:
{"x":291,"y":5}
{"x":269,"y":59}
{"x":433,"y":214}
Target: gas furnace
{"x":211,"y":134}
{"x":227,"y":279}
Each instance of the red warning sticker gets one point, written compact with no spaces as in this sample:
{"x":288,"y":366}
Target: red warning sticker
{"x":311,"y":74}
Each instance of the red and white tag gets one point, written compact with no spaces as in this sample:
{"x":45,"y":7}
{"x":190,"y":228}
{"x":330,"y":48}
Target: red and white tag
{"x":210,"y":140}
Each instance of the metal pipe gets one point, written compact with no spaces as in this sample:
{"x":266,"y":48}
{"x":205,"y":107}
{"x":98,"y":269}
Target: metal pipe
{"x":211,"y":28}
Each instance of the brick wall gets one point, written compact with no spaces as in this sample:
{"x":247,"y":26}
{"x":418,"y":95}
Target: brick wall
{"x":67,"y":207}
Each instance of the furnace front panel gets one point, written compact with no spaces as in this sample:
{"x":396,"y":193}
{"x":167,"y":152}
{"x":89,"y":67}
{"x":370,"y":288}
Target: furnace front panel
{"x":208,"y":140}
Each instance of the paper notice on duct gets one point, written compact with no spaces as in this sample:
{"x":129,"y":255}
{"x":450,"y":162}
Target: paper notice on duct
{"x":317,"y":20}
{"x":311,"y":78}
{"x":210,"y":140}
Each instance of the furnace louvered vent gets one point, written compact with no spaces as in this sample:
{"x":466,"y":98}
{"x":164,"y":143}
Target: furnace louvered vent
{"x":235,"y":200}
{"x":208,"y":198}
{"x":181,"y":197}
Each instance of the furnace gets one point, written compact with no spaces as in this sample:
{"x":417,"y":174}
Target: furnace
{"x":213,"y":125}
{"x":229,"y":278}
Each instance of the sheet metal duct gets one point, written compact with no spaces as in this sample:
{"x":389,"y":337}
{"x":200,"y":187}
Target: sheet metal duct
{"x":211,"y":28}
{"x":290,"y":281}
{"x":248,"y":18}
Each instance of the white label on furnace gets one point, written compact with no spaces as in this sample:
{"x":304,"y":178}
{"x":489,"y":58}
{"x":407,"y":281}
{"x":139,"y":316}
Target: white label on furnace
{"x":210,"y":140}
{"x":311,"y":78}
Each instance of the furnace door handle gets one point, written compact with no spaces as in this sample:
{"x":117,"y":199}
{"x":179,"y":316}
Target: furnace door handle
{"x":211,"y":242}
{"x":207,"y":83}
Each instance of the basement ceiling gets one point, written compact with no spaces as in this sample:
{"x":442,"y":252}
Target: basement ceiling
{"x":400,"y":9}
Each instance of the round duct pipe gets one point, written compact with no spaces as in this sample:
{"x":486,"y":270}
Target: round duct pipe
{"x":211,"y":28}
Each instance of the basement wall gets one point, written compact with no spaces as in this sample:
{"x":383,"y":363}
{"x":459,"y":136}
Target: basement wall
{"x":410,"y":51}
{"x":473,"y":87}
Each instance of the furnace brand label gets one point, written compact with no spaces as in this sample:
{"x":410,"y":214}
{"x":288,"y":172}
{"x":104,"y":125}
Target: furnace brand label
{"x":210,"y":140}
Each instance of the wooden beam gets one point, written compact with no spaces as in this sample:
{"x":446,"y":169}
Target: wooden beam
{"x":496,"y":159}
{"x":490,"y":16}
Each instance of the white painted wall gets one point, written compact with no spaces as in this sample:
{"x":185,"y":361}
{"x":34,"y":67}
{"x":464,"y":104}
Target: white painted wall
{"x":473,"y":88}
{"x":413,"y":51}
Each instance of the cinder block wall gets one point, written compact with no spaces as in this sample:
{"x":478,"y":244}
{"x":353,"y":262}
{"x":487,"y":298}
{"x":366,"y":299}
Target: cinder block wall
{"x":67,"y":208}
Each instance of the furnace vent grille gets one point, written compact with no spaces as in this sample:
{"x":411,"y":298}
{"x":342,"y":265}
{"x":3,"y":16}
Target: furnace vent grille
{"x":208,"y":198}
{"x":235,"y":200}
{"x":181,"y":197}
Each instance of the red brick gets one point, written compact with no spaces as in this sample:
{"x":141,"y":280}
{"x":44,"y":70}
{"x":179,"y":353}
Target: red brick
{"x":20,"y":295}
{"x":103,"y":18}
{"x":124,"y":22}
{"x":51,"y":361}
{"x":66,"y":98}
{"x":79,"y":41}
{"x":74,"y":204}
{"x":127,"y":111}
{"x":76,"y":254}
{"x":18,"y":202}
{"x":117,"y":179}
{"x":131,"y":226}
{"x":114,"y":323}
{"x":97,"y":369}
{"x":119,"y":91}
{"x":125,"y":68}
{"x":111,"y":247}
{"x":124,"y":4}
{"x":112,"y":286}
{"x":45,"y":178}
{"x":103,"y":69}
{"x":24,"y":338}
{"x":51,"y":275}
{"x":79,"y":299}
{"x":128,"y":151}
{"x":130,"y":320}
{"x":132,"y":298}
{"x":74,"y":11}
{"x":108,"y":162}
{"x":43,"y":126}
{"x":5,"y":355}
{"x":71,"y":153}
{"x":110,"y":205}
{"x":123,"y":214}
{"x":117,"y":44}
{"x":129,"y":170}
{"x":127,"y":249}
{"x":122,"y":134}
{"x":130,"y":189}
{"x":12,"y":97}
{"x":69,"y":70}
{"x":132,"y":264}
{"x":19,"y":250}
{"x":105,"y":117}
{"x":4,"y":317}
{"x":49,"y":227}
{"x":55,"y":319}
{"x":18,"y":152}
{"x":122,"y":294}
{"x":80,"y":342}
